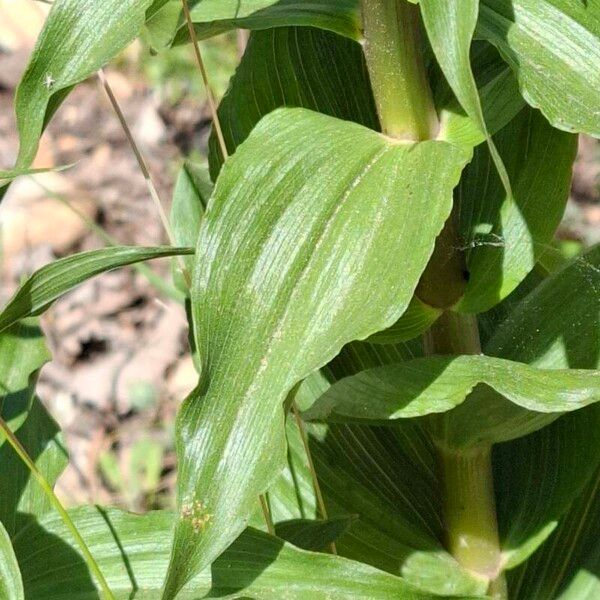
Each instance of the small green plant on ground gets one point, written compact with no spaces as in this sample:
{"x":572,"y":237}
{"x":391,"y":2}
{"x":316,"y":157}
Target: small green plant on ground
{"x":397,"y":392}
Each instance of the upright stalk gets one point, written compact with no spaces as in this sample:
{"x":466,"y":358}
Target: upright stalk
{"x":468,"y":485}
{"x":57,"y":504}
{"x":393,"y":49}
{"x":311,"y":468}
{"x":394,"y":53}
{"x":203,"y":73}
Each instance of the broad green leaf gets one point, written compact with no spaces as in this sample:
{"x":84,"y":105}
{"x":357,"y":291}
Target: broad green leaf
{"x":437,"y":384}
{"x":503,"y":237}
{"x":387,"y":477}
{"x":190,"y":198}
{"x":130,"y":551}
{"x":538,"y":476}
{"x":22,"y":498}
{"x":498,"y":90}
{"x":557,"y":326}
{"x":567,"y":566}
{"x":23,"y":352}
{"x":294,"y":67}
{"x":450,"y":25}
{"x":417,"y":319}
{"x":263,"y":567}
{"x":50,"y":282}
{"x":163,"y":19}
{"x":11,"y":584}
{"x":212,"y":17}
{"x":312,"y":534}
{"x":553,"y":46}
{"x":77,"y":39}
{"x":489,"y":321}
{"x":310,"y":216}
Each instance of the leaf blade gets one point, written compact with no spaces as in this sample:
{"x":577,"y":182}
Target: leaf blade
{"x":130,"y":551}
{"x":438,"y":384}
{"x":77,"y":39}
{"x":11,"y":584}
{"x":554,"y":48}
{"x":24,"y":352}
{"x":51,"y":281}
{"x":212,"y":17}
{"x":288,"y":273}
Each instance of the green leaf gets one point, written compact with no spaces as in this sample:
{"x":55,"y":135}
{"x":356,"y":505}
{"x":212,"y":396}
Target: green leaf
{"x":312,"y":534}
{"x":489,"y":321}
{"x":553,"y":46}
{"x":23,"y":351}
{"x":503,"y":237}
{"x":55,"y":279}
{"x":289,"y":212}
{"x":557,"y":326}
{"x":130,"y":551}
{"x":567,"y":566}
{"x":11,"y":584}
{"x":271,"y":570}
{"x":501,"y":100}
{"x":388,"y":478}
{"x":8,"y":176}
{"x":538,"y":477}
{"x":450,"y":25}
{"x":294,"y":67}
{"x":212,"y":17}
{"x":77,"y":39}
{"x":437,"y":384}
{"x":417,"y":319}
{"x":190,"y":198}
{"x":22,"y":496}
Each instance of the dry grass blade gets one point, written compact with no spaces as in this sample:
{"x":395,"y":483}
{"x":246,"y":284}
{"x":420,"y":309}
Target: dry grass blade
{"x":311,"y":466}
{"x":204,"y":75}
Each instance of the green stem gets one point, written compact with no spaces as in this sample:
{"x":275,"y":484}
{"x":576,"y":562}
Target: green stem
{"x":394,"y":54}
{"x":47,"y":489}
{"x":453,"y":333}
{"x":468,"y":487}
{"x":266,"y":511}
{"x":470,"y":510}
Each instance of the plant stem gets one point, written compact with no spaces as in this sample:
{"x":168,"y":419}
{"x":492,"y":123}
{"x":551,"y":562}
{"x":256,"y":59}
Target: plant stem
{"x":311,"y":467}
{"x":138,"y":155}
{"x":453,"y":333}
{"x":467,"y":479}
{"x":145,"y":172}
{"x":394,"y":56}
{"x":209,"y":92}
{"x":47,"y":489}
{"x":264,"y":505}
{"x":470,"y":510}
